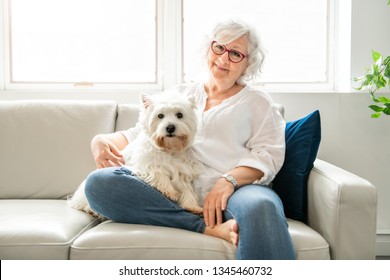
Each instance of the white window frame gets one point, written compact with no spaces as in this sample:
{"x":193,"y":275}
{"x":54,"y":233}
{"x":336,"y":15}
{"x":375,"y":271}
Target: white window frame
{"x":170,"y":60}
{"x":81,"y":87}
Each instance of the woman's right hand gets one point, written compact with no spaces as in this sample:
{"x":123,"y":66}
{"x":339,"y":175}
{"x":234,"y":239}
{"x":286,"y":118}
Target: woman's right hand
{"x":105,"y":152}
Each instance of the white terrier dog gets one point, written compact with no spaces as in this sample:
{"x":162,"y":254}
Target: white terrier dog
{"x":160,"y":155}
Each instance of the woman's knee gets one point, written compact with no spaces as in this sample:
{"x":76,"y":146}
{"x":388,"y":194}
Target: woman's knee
{"x":255,"y":200}
{"x":101,"y":183}
{"x":97,"y":181}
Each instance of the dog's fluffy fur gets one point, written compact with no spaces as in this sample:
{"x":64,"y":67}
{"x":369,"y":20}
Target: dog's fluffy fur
{"x":161,"y":155}
{"x":80,"y":202}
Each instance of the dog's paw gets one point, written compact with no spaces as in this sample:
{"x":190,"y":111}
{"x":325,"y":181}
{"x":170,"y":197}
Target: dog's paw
{"x":89,"y":211}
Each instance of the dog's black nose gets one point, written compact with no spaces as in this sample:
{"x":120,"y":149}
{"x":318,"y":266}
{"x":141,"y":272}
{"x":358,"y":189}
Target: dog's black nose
{"x":170,"y":128}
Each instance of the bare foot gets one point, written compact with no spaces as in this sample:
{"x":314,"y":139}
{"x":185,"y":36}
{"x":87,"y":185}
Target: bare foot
{"x":234,"y":233}
{"x":228,"y":231}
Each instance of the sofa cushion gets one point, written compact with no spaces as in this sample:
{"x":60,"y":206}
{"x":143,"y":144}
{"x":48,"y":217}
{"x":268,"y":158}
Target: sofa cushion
{"x":45,"y":145}
{"x":116,"y":241}
{"x":39,"y":229}
{"x":308,"y":244}
{"x":303,"y":137}
{"x":127,"y":116}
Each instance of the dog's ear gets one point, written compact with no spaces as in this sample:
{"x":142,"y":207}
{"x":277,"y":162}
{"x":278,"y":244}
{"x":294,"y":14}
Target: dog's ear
{"x":146,"y":100}
{"x":191,"y":98}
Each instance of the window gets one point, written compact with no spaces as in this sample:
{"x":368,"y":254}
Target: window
{"x":295,"y":35}
{"x":83,"y":41}
{"x":151,"y":45}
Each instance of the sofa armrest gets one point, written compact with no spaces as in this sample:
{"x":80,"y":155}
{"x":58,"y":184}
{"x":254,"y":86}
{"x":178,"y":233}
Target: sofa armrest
{"x":342,"y":208}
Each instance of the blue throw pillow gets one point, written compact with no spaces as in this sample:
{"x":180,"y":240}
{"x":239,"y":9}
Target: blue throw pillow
{"x":303,"y":138}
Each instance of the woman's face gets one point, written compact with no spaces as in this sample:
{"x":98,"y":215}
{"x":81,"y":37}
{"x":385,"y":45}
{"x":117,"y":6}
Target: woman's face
{"x":222,"y":70}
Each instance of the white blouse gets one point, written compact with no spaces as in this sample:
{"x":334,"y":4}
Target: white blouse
{"x":244,"y":130}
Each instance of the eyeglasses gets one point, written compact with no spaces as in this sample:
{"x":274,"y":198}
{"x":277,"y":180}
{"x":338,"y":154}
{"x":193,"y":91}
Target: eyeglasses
{"x":233,"y":55}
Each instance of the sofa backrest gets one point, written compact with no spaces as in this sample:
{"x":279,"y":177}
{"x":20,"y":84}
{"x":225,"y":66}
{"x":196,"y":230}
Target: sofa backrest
{"x":45,"y":145}
{"x":127,"y":116}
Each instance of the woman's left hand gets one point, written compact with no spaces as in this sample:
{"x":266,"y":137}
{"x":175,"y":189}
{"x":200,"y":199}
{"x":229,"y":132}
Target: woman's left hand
{"x":216,"y":201}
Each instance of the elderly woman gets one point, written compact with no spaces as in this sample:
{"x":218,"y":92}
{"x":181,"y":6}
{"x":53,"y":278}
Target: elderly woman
{"x":241,"y":143}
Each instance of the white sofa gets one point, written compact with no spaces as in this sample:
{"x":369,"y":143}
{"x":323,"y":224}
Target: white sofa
{"x":45,"y":154}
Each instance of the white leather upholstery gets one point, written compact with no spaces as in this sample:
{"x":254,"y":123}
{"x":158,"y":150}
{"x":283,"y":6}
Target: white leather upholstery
{"x":148,"y":242}
{"x":45,"y":152}
{"x":111,"y":240}
{"x":342,"y":208}
{"x":39,"y":229}
{"x":46,"y":145}
{"x":308,"y":244}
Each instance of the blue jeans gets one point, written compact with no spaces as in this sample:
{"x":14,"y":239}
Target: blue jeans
{"x":263,"y":228}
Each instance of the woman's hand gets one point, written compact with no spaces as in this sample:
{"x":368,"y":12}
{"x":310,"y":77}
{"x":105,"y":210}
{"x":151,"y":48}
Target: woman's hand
{"x":105,"y":152}
{"x":216,"y":201}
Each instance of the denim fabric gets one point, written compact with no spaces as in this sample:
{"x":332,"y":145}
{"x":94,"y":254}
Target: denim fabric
{"x":119,"y":195}
{"x":263,"y":229}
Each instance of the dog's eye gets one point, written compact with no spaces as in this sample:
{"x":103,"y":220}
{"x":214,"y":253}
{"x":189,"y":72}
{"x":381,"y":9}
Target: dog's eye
{"x":160,"y":116}
{"x":179,"y":115}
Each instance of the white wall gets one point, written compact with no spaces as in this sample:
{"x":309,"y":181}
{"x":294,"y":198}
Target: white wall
{"x":350,"y":138}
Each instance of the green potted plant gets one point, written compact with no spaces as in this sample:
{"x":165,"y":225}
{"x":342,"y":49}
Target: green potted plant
{"x":377,"y":76}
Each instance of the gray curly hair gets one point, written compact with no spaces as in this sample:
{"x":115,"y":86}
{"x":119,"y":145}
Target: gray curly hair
{"x":228,"y":31}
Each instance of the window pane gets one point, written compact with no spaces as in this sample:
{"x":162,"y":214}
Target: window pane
{"x":83,"y":40}
{"x":294,"y":33}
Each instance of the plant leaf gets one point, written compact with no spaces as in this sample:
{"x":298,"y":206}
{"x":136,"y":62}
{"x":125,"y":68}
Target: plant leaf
{"x":376,"y":108}
{"x":368,"y":79}
{"x":375,"y":69}
{"x":373,"y":97}
{"x":381,"y":82}
{"x":387,"y":71}
{"x":375,"y":55}
{"x":387,"y":59}
{"x":384,"y":99}
{"x":376,"y":115}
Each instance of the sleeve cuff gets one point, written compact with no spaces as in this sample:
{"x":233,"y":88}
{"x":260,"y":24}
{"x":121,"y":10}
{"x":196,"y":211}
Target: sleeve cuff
{"x":257,"y":164}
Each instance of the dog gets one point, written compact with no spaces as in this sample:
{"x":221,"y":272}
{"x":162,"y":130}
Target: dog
{"x":161,"y":155}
